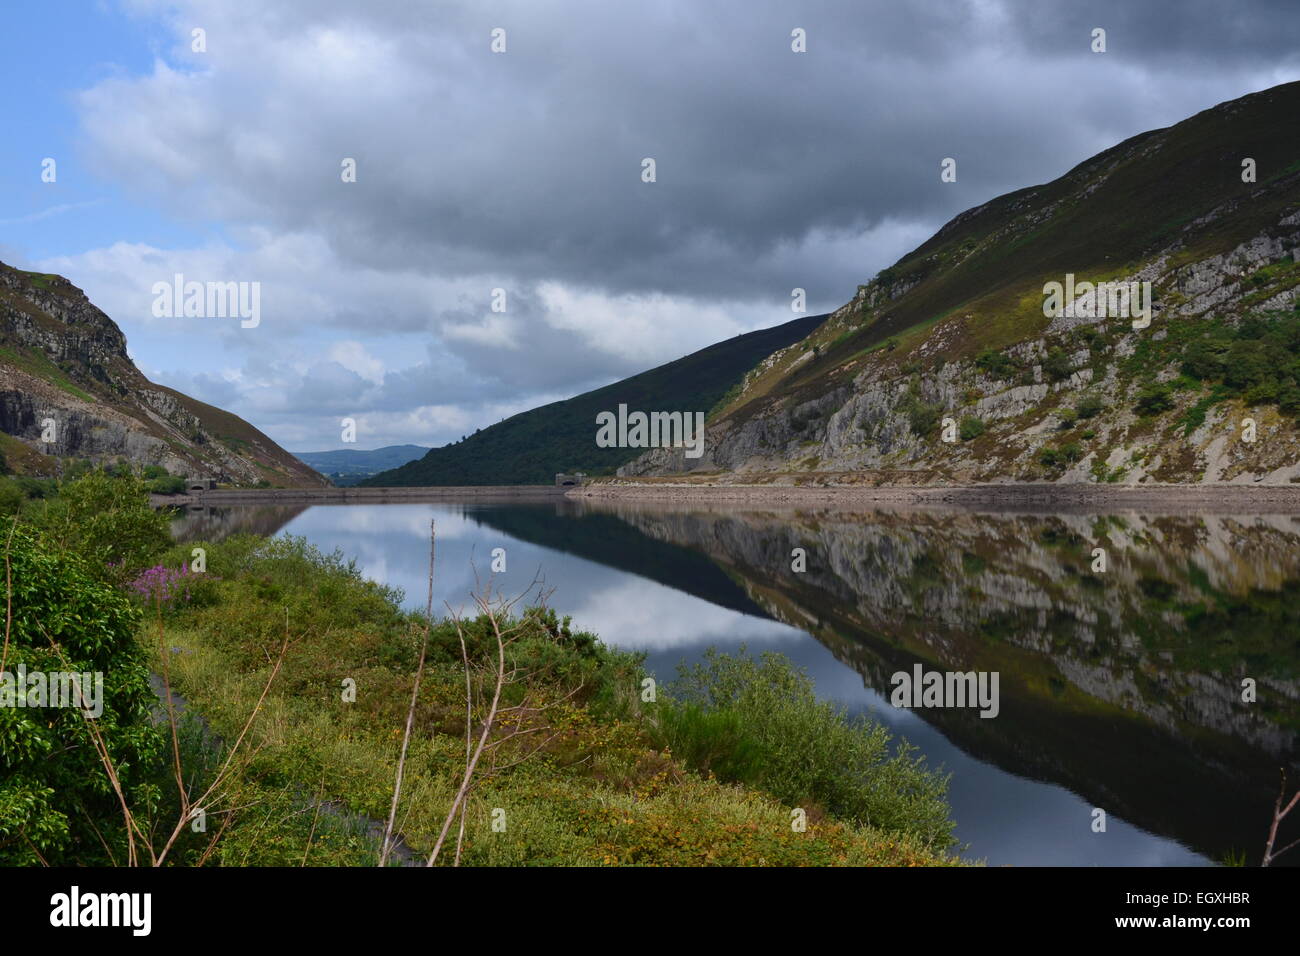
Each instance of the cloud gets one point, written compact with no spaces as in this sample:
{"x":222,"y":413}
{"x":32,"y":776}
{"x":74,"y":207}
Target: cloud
{"x":522,"y":171}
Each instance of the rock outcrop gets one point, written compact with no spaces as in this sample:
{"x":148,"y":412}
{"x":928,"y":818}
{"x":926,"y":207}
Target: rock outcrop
{"x":68,"y":390}
{"x":947,"y":365}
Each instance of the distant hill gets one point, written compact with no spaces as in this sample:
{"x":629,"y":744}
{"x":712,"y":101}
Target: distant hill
{"x":531,"y":447}
{"x":347,"y":466}
{"x":68,"y":390}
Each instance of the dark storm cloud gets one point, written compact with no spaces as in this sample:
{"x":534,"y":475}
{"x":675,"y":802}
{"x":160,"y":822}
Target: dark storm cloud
{"x":522,"y":170}
{"x":528,"y":163}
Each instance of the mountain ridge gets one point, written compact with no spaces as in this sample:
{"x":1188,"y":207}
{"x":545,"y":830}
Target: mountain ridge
{"x":533,"y":446}
{"x":951,"y":342}
{"x":65,"y":374}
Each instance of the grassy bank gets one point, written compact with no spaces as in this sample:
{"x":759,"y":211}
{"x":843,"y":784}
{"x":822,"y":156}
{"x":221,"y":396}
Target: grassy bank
{"x":596,"y":774}
{"x":298,"y":678}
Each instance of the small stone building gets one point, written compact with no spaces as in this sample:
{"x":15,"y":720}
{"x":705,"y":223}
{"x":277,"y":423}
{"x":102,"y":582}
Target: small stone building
{"x":576,"y":478}
{"x":193,"y":485}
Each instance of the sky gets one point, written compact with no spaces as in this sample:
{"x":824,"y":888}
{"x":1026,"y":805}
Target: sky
{"x":523,"y":171}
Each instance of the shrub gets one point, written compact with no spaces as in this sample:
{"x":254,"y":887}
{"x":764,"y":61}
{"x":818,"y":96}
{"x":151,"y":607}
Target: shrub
{"x":1057,"y":365}
{"x":56,"y":803}
{"x":1089,"y":407}
{"x":166,"y":485}
{"x":970,"y":428}
{"x":11,"y":497}
{"x":922,"y":417}
{"x":1068,"y":417}
{"x":1049,"y":457}
{"x":996,"y":363}
{"x":759,"y":722}
{"x":1154,"y":399}
{"x":107,"y":521}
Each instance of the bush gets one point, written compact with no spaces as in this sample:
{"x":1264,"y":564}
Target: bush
{"x":1258,"y":360}
{"x":1068,"y":417}
{"x":1049,"y":457}
{"x":11,"y":497}
{"x":970,"y":428}
{"x":1089,"y":407}
{"x":108,"y":522}
{"x":56,"y":803}
{"x":1057,"y":365}
{"x":1154,"y":399}
{"x":996,"y":363}
{"x":166,"y":484}
{"x":758,"y":722}
{"x":922,"y":417}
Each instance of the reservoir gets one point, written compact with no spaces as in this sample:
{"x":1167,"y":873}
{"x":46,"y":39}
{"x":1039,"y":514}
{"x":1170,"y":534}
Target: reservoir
{"x":1123,"y":691}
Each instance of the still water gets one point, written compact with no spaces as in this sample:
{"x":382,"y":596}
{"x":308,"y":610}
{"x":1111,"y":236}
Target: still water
{"x":1120,"y":690}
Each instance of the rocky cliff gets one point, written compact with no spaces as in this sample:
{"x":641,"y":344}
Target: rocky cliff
{"x":947,"y":367}
{"x":69,"y":390}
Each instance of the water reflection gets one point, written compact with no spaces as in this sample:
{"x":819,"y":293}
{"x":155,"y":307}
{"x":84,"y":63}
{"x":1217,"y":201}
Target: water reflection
{"x":1120,"y":689}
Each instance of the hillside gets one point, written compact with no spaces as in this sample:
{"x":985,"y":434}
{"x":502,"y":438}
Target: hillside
{"x":531,"y":447}
{"x":64,"y":360}
{"x":955,"y":333}
{"x":347,"y":466}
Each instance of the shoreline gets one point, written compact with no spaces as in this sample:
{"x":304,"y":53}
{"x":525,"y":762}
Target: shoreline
{"x":1032,"y":496}
{"x":325,"y":496}
{"x":1036,"y":496}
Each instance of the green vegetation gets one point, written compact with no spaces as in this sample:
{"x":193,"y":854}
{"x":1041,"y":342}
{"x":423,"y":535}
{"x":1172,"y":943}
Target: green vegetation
{"x":1089,"y":407}
{"x":55,"y":807}
{"x":997,"y":363}
{"x":1056,"y":366}
{"x":1258,"y":360}
{"x":586,"y":770}
{"x":107,"y":522}
{"x":37,"y":365}
{"x":1061,"y":456}
{"x":922,"y":416}
{"x":758,"y":722}
{"x":970,"y":428}
{"x":1154,"y":398}
{"x":530,"y":448}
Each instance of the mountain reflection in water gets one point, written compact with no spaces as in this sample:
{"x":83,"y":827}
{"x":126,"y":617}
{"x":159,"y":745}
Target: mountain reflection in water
{"x":1119,"y":690}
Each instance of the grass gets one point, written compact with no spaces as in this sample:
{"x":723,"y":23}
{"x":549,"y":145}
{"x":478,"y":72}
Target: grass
{"x":621,"y":782}
{"x":38,"y":366}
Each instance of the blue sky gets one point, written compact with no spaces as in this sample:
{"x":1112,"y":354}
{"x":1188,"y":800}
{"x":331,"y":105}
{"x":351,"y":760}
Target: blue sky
{"x":49,"y":53}
{"x":521,"y":171}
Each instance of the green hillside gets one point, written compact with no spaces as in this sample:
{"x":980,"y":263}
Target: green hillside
{"x":529,"y":448}
{"x":1174,"y":192}
{"x":946,"y":368}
